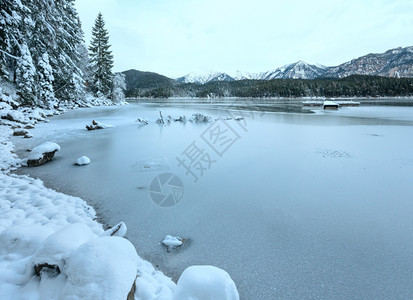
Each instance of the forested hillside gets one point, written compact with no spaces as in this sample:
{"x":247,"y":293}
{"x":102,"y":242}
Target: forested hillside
{"x":352,"y":86}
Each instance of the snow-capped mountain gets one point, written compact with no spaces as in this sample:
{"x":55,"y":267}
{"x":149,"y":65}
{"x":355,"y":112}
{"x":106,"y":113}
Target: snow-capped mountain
{"x":298,"y":70}
{"x":222,"y":77}
{"x":396,"y":62}
{"x":201,"y":78}
{"x":239,"y":75}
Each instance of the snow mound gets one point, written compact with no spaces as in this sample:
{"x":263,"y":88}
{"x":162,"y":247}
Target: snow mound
{"x":83,"y":160}
{"x":57,"y":247}
{"x":102,"y":268}
{"x":205,"y":283}
{"x":172,"y":241}
{"x":46,"y":147}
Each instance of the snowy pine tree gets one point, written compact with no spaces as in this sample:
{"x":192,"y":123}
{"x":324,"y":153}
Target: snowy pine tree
{"x":11,"y":36}
{"x":101,"y":59}
{"x":84,"y":63}
{"x":66,"y":58}
{"x":25,"y":79}
{"x":45,"y":81}
{"x":119,"y":86}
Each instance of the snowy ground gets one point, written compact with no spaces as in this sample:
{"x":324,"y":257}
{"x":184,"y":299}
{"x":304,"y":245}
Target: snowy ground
{"x":51,"y":247}
{"x":322,"y":200}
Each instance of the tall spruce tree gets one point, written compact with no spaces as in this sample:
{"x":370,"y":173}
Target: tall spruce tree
{"x":101,"y":59}
{"x":12,"y":35}
{"x":25,"y":78}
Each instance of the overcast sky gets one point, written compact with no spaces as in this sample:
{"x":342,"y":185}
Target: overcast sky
{"x":176,"y":37}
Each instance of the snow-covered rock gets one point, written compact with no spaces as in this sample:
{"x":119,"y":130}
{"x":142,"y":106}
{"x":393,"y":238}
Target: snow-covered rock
{"x":28,"y":135}
{"x":200,"y":118}
{"x":97,"y":125}
{"x":205,"y":283}
{"x":20,"y":132}
{"x":42,"y":154}
{"x":14,"y":115}
{"x":83,"y":160}
{"x":172,"y":242}
{"x":102,"y":268}
{"x":56,"y":249}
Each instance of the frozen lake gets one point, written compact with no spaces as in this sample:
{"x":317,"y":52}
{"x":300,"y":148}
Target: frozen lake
{"x":294,"y":205}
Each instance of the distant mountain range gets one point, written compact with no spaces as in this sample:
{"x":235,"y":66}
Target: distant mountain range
{"x":393,"y":63}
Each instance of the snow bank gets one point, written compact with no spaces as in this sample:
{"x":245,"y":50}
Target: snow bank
{"x":83,"y":160}
{"x":8,"y":160}
{"x":25,"y":201}
{"x":102,"y":268}
{"x":46,"y":147}
{"x":41,"y":226}
{"x":205,"y":283}
{"x":29,"y":214}
{"x":56,"y":249}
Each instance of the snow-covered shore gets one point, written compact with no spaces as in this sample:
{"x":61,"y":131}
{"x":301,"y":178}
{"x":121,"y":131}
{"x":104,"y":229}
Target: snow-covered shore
{"x":51,"y":247}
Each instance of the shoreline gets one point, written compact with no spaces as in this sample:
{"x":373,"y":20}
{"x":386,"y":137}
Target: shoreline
{"x":407,"y":98}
